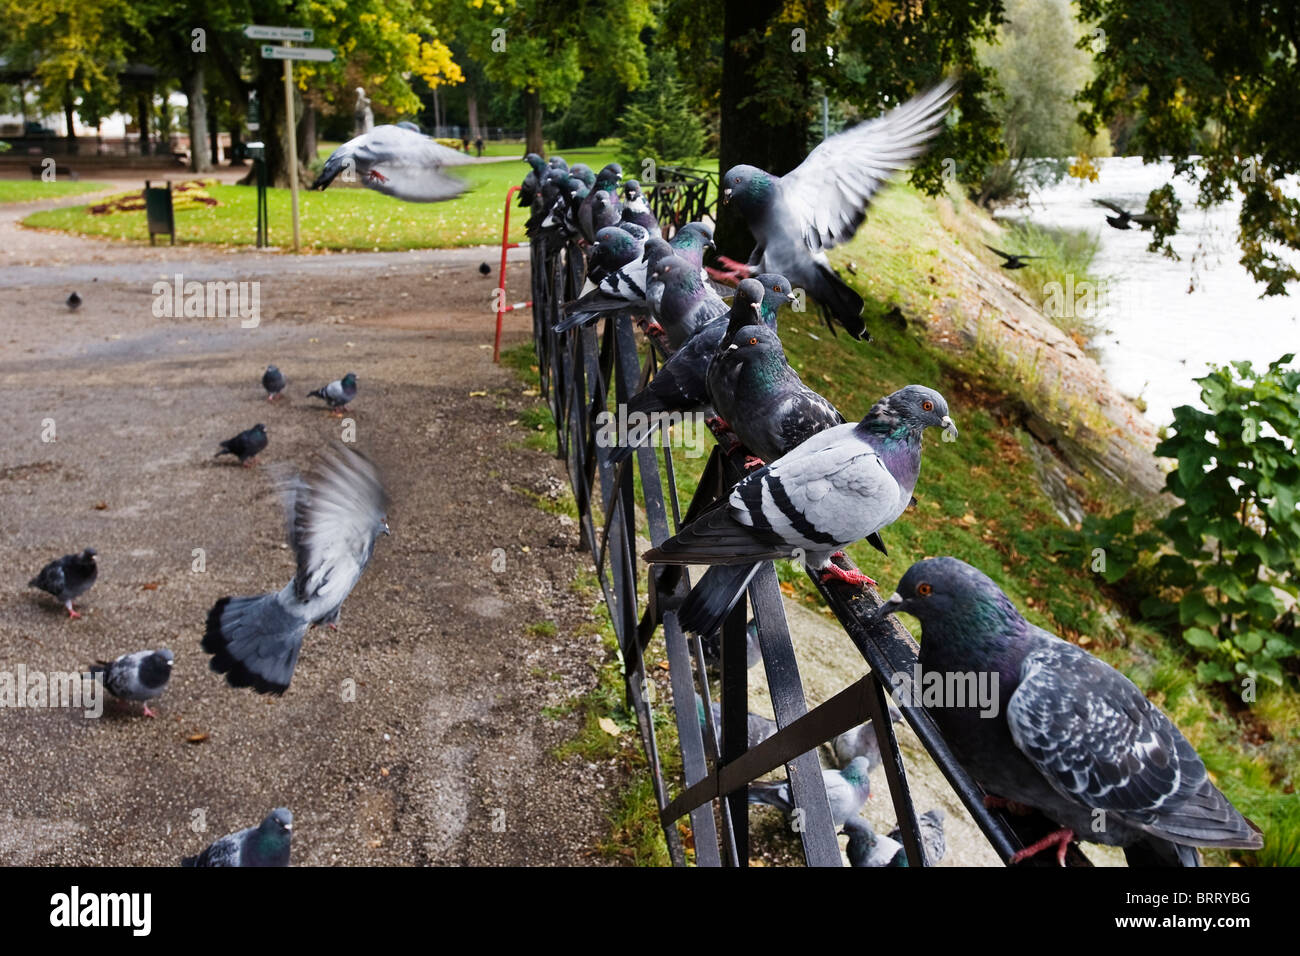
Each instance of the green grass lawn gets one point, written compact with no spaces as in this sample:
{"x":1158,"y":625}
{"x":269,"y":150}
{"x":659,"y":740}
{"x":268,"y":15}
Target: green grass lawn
{"x":34,"y":190}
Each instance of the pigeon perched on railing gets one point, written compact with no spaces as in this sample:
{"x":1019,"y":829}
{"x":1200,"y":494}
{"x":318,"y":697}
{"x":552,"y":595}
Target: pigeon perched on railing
{"x":337,"y":393}
{"x":615,"y":247}
{"x":682,"y":300}
{"x":274,"y":383}
{"x":846,"y":790}
{"x":836,"y":488}
{"x":601,"y":207}
{"x":335,"y":516}
{"x":396,"y":162}
{"x":1068,"y":734}
{"x":820,"y":204}
{"x":933,"y":843}
{"x":636,"y":209}
{"x":245,"y":446}
{"x":68,"y":577}
{"x":140,"y":676}
{"x":267,"y":844}
{"x":533,"y":181}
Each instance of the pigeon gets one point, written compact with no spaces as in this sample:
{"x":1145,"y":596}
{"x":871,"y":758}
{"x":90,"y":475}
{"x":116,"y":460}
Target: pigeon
{"x":334,"y":518}
{"x":533,"y":181}
{"x":711,"y":644}
{"x":692,"y":241}
{"x":867,"y":849}
{"x":140,"y":676}
{"x":762,"y":400}
{"x":759,"y":727}
{"x":847,"y":790}
{"x":74,"y":302}
{"x":860,"y":742}
{"x":1069,"y":735}
{"x":337,"y":393}
{"x":397,"y":162}
{"x":613,"y":249}
{"x":1014,"y":260}
{"x":838,"y":487}
{"x":795,"y":218}
{"x":245,"y":446}
{"x":273,"y":381}
{"x":264,"y":845}
{"x":68,"y":577}
{"x":933,"y":844}
{"x":685,"y":303}
{"x":595,"y":211}
{"x":484,"y":269}
{"x":407,"y":124}
{"x":637,"y":210}
{"x":1123,"y":217}
{"x":681,"y":385}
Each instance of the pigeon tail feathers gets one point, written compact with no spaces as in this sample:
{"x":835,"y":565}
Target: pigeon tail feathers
{"x":254,"y":641}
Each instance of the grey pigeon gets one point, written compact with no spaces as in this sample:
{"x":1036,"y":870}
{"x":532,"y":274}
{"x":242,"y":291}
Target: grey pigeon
{"x":933,"y":843}
{"x":1123,"y":217}
{"x":860,"y":742}
{"x":613,"y":249}
{"x":264,"y":845}
{"x":74,"y":302}
{"x":245,"y":446}
{"x":636,"y":209}
{"x":140,"y":676}
{"x":758,"y":727}
{"x":335,"y":516}
{"x":866,"y":848}
{"x":820,"y":204}
{"x":337,"y":393}
{"x":692,"y":241}
{"x":840,"y":486}
{"x":68,"y":577}
{"x":396,"y":162}
{"x":601,"y":206}
{"x":846,"y":790}
{"x":528,"y":189}
{"x":711,"y":644}
{"x":273,"y":381}
{"x":1070,"y":735}
{"x":1011,"y":260}
{"x":686,"y":303}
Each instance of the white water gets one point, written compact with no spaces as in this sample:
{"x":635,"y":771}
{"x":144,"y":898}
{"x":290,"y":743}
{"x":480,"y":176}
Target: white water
{"x":1157,"y":334}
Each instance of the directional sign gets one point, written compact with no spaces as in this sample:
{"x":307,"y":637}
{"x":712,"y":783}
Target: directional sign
{"x":297,"y":53}
{"x":293,"y":34}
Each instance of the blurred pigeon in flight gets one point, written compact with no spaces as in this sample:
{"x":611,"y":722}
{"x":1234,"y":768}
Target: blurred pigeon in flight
{"x":68,"y":577}
{"x":1123,"y":217}
{"x":396,"y":162}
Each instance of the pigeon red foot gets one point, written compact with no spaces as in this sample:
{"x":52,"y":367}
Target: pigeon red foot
{"x":833,"y":572}
{"x":734,"y":272}
{"x":1061,"y":839}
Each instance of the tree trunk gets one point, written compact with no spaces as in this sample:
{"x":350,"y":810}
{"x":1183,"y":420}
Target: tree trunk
{"x":471,"y":106}
{"x":270,"y":98}
{"x":72,"y":133}
{"x":142,"y":120}
{"x":533,"y":142}
{"x":214,"y":141}
{"x":745,"y":137}
{"x":307,"y":134}
{"x":196,"y":110}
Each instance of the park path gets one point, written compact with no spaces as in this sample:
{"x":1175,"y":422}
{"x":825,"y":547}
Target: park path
{"x":444,"y":756}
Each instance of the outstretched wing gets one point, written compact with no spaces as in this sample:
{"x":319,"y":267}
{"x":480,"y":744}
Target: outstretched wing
{"x":397,"y":162}
{"x":829,"y":192}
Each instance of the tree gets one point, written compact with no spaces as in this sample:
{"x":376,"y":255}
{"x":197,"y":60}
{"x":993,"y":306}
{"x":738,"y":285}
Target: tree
{"x":659,"y":124}
{"x":1214,"y":89}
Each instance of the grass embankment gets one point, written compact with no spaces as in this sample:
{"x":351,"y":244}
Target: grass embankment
{"x":36,"y":190}
{"x":980,"y":500}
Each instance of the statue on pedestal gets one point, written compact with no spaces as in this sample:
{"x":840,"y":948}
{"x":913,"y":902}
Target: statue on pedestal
{"x":365,"y":117}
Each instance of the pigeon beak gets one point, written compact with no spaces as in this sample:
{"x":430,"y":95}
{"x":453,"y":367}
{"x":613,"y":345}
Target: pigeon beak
{"x":289,"y":827}
{"x":948,"y":427}
{"x":170,"y":663}
{"x":889,"y":607}
{"x":387,"y":530}
{"x":792,"y":297}
{"x":726,"y":196}
{"x":756,"y":306}
{"x":732,"y":347}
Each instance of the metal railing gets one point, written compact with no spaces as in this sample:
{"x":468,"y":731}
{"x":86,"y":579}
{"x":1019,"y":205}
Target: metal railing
{"x":578,"y":370}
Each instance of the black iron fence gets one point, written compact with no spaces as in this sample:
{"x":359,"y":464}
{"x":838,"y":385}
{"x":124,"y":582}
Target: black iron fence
{"x":581,"y":372}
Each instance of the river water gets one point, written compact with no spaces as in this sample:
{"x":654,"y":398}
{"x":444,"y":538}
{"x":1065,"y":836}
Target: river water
{"x":1165,"y":320}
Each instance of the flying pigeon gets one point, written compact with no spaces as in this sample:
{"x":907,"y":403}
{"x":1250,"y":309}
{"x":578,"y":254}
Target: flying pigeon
{"x":1123,"y":217}
{"x":337,"y":393}
{"x":860,"y":742}
{"x":847,"y":790}
{"x":758,"y":727}
{"x":264,"y":845}
{"x":795,"y":218}
{"x":245,"y":446}
{"x":933,"y":843}
{"x":1070,"y":735}
{"x":396,"y":162}
{"x":68,"y":577}
{"x":866,"y":848}
{"x":838,"y":487}
{"x":74,"y":302}
{"x":335,"y":517}
{"x":273,"y":381}
{"x":140,"y":676}
{"x":1014,"y":260}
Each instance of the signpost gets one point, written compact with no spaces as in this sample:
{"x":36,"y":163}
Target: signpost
{"x":288,"y":54}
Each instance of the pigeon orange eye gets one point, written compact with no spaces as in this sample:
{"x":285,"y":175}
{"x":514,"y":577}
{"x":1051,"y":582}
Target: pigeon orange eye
{"x":929,"y":407}
{"x":753,"y":341}
{"x":924,"y":589}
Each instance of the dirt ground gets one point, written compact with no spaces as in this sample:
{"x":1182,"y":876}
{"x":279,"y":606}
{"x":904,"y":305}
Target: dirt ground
{"x":443,"y":757}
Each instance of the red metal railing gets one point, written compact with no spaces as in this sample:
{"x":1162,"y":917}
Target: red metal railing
{"x":502,"y":308}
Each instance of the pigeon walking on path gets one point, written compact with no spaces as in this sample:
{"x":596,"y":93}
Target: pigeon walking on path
{"x":1068,"y":734}
{"x":337,"y":393}
{"x":140,"y":676}
{"x":274,"y":383}
{"x":245,"y":446}
{"x":868,"y":849}
{"x":820,"y":204}
{"x":838,"y":487}
{"x":396,"y":162}
{"x":933,"y":843}
{"x":264,"y":845}
{"x":335,"y":516}
{"x":861,"y":742}
{"x":846,"y":790}
{"x":68,"y":577}
{"x":758,"y":727}
{"x":73,"y":302}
